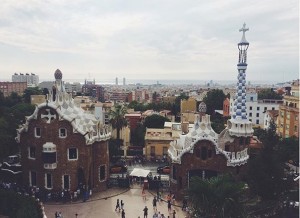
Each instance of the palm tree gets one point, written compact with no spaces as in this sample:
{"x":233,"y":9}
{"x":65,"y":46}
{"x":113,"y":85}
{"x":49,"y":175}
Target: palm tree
{"x":216,"y":197}
{"x":117,"y":118}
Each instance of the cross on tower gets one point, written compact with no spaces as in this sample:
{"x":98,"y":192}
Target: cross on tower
{"x":244,"y":29}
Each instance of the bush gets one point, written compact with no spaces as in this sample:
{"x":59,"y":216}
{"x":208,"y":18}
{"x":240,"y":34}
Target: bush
{"x":16,"y":205}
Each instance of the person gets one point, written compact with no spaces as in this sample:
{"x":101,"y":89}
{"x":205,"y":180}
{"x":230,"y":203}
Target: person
{"x":122,"y":204}
{"x":154,"y":203}
{"x":56,"y":214}
{"x":158,"y":215}
{"x":117,"y":205}
{"x":144,"y":194}
{"x":169,"y":205}
{"x":163,"y":216}
{"x":145,"y":212}
{"x":123,"y":213}
{"x":174,"y":212}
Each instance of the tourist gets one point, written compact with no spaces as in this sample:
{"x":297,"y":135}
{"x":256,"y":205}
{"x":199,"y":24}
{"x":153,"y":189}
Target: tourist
{"x":123,"y":213}
{"x":174,"y":212}
{"x":154,"y":204}
{"x":117,"y":205}
{"x":122,"y":204}
{"x":169,"y":205}
{"x":145,"y":212}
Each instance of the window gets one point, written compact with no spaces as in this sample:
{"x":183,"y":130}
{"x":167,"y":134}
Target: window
{"x":287,"y":115}
{"x":257,"y":108}
{"x":72,"y":154}
{"x":203,"y":153}
{"x":250,"y":114}
{"x":266,"y":122}
{"x":296,"y":128}
{"x":37,"y":132}
{"x":265,"y":108}
{"x":296,"y":117}
{"x":241,"y":141}
{"x":250,"y":120}
{"x":66,"y":182}
{"x":48,"y":180}
{"x":257,"y":114}
{"x":62,"y":133}
{"x":152,"y":150}
{"x":250,"y":108}
{"x":102,"y":173}
{"x":257,"y":121}
{"x":165,"y":150}
{"x":251,"y":98}
{"x":32,"y":178}
{"x":287,"y":126}
{"x":273,"y":108}
{"x":31,"y":152}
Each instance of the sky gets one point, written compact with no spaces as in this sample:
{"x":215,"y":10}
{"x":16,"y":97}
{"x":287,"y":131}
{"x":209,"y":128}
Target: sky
{"x":154,"y":39}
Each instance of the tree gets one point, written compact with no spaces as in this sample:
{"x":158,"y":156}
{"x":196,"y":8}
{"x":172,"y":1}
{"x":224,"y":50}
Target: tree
{"x":117,"y":118}
{"x":155,"y":121}
{"x":288,"y":149}
{"x":268,"y":94}
{"x":216,"y":197}
{"x":31,"y":91}
{"x":265,"y":171}
{"x":214,"y":100}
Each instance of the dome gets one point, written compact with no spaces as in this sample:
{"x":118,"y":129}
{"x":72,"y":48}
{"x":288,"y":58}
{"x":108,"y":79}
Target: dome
{"x":58,"y":74}
{"x":202,"y":107}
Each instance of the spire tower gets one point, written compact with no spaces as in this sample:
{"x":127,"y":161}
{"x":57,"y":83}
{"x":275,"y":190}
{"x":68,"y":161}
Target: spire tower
{"x":239,"y":125}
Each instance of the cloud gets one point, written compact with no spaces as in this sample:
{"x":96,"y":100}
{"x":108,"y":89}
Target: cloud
{"x":137,"y":38}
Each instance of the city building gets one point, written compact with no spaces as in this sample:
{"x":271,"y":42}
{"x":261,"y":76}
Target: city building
{"x":226,"y":107}
{"x":93,"y":90}
{"x":270,"y":116}
{"x":9,"y":87}
{"x":31,"y":79}
{"x":202,"y":152}
{"x":37,"y":99}
{"x":62,"y":146}
{"x":188,"y":108}
{"x":257,"y":108}
{"x":288,"y":119}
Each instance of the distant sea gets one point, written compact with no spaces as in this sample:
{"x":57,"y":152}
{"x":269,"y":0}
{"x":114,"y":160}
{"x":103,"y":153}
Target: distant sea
{"x":180,"y":82}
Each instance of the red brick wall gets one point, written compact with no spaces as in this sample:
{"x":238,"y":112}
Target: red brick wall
{"x":49,"y":133}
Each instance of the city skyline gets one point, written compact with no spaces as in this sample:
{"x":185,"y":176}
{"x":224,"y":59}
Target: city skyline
{"x":143,"y":40}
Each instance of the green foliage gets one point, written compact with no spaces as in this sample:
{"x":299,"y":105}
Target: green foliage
{"x":214,"y":100}
{"x":218,"y":123}
{"x":12,"y":113}
{"x":265,"y":171}
{"x":117,"y":118}
{"x":31,"y":91}
{"x":15,"y":205}
{"x":216,"y":197}
{"x":155,"y":121}
{"x":288,"y":149}
{"x":268,"y":94}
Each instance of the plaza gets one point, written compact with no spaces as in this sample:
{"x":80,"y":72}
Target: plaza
{"x":103,"y":205}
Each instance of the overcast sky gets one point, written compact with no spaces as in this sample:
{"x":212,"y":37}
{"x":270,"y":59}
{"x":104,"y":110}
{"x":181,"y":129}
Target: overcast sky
{"x":154,"y":39}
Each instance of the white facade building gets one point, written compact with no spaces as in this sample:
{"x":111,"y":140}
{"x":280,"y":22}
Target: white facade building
{"x":256,"y":108}
{"x":31,"y":79}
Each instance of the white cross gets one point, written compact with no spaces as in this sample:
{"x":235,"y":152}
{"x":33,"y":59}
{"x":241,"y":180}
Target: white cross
{"x":48,"y":115}
{"x":244,"y":29}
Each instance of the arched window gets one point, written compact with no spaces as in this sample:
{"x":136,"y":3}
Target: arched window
{"x":227,"y":147}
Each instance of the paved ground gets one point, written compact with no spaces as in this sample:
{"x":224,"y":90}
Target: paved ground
{"x":103,"y":205}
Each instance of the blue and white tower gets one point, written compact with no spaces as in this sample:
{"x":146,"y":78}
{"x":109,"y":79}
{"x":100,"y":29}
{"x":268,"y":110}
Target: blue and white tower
{"x":239,"y":125}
